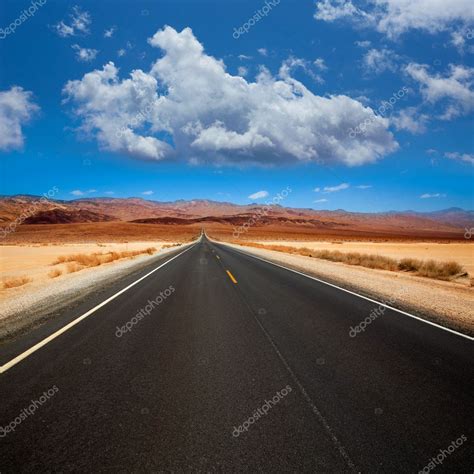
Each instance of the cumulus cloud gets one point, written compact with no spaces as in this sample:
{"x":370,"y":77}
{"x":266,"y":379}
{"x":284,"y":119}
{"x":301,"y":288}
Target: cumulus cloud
{"x":79,"y":23}
{"x":189,"y":106}
{"x":16,"y":109}
{"x":395,"y":17}
{"x":466,"y":157}
{"x":259,"y":195}
{"x":84,"y":55}
{"x":455,"y":88}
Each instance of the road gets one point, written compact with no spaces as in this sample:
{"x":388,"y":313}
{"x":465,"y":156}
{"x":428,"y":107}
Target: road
{"x":234,"y":341}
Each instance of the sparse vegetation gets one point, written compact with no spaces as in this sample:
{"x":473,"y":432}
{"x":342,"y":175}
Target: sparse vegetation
{"x":55,"y":273}
{"x":15,"y":281}
{"x":428,"y":268}
{"x":79,"y":261}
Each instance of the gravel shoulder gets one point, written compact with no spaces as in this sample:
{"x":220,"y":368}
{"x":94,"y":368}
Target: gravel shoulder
{"x":447,"y":303}
{"x":29,"y":307}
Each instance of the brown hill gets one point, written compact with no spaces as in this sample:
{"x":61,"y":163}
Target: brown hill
{"x":61,"y":216}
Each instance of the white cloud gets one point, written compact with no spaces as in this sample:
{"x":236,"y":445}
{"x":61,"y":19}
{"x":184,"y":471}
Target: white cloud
{"x":316,"y":190}
{"x":455,"y":88}
{"x":395,"y":17}
{"x":79,"y":24}
{"x":259,"y":195}
{"x":242,"y":71}
{"x":292,"y":63}
{"x":84,"y":55}
{"x":16,"y":109}
{"x":320,"y":200}
{"x":263,"y":51}
{"x":121,"y":52}
{"x":78,"y":192}
{"x":380,"y":60}
{"x":110,"y":32}
{"x":363,"y":44}
{"x":410,"y":120}
{"x":244,"y":56}
{"x":333,"y":189}
{"x":364,"y":186}
{"x":147,"y":193}
{"x":430,"y":196}
{"x":320,"y":64}
{"x":195,"y":109}
{"x":466,"y":157}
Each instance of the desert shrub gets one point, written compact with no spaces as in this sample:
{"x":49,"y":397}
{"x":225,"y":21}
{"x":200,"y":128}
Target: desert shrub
{"x":15,"y":281}
{"x":429,"y":268}
{"x":409,"y":264}
{"x":55,"y":273}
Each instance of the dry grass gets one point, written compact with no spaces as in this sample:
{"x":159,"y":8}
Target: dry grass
{"x":428,"y":268}
{"x":55,"y":273}
{"x":15,"y":281}
{"x":82,"y":260}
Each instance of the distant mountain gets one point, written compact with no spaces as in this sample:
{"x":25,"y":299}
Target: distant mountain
{"x":137,"y":210}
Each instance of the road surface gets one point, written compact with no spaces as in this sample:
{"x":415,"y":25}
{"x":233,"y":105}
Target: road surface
{"x":237,"y":366}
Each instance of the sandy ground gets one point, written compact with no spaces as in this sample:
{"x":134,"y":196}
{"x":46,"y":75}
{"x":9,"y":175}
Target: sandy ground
{"x":34,"y":260}
{"x":462,"y":252}
{"x":25,"y":306}
{"x":447,"y":303}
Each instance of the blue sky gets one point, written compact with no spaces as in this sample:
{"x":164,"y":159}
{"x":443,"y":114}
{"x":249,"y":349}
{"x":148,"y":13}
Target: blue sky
{"x":208,"y":115}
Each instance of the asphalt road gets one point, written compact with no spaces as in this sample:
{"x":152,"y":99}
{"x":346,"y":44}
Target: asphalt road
{"x":236,"y":342}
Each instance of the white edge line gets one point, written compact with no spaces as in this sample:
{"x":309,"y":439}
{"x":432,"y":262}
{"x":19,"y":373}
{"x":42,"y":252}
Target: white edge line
{"x":353,"y":293}
{"x":68,"y":326}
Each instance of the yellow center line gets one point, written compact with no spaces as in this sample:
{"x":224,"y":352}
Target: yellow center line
{"x":231,"y":276}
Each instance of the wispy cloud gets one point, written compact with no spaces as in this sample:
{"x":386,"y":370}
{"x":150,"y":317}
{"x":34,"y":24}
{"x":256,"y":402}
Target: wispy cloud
{"x":334,"y":189}
{"x":147,"y":193}
{"x":466,"y":157}
{"x":77,"y":192}
{"x":259,"y":195}
{"x":320,"y":200}
{"x":110,"y":32}
{"x":79,"y":24}
{"x":429,"y":196}
{"x":263,"y":51}
{"x":364,"y":186}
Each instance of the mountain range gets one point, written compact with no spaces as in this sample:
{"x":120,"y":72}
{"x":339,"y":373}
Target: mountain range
{"x":182,"y":212}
